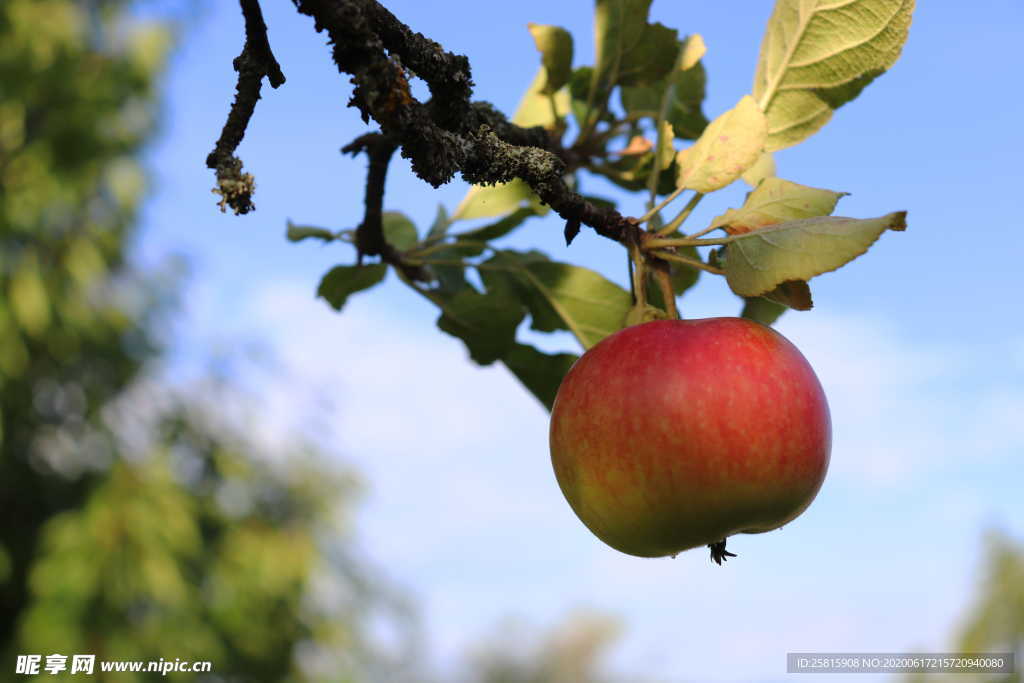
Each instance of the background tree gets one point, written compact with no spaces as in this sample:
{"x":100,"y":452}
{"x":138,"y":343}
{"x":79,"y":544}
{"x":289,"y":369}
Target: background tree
{"x":138,"y":516}
{"x":572,"y":652}
{"x":994,"y":621}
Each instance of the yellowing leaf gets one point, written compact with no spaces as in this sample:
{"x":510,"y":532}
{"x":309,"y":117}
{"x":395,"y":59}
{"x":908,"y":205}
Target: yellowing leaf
{"x":484,"y":201}
{"x":818,"y":55}
{"x":693,"y":49}
{"x":555,"y":46}
{"x":763,"y":168}
{"x":727,"y":147}
{"x":535,"y":107}
{"x":666,"y":151}
{"x":775,"y":201}
{"x":758,"y":262}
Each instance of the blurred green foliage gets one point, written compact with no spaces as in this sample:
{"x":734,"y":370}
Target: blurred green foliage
{"x":571,"y":652}
{"x":994,"y":622}
{"x":138,"y":524}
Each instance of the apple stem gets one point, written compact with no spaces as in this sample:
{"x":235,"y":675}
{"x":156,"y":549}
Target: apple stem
{"x":718,"y":552}
{"x":668,"y":295}
{"x":639,"y":280}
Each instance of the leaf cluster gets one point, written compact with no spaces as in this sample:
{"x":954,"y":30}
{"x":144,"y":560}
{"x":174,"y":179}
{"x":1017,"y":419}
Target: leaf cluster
{"x":635,"y":116}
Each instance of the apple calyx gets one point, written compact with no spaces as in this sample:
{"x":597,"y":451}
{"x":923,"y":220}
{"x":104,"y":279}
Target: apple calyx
{"x":718,"y":552}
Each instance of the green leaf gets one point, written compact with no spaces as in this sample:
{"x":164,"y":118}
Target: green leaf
{"x":536,"y":109}
{"x":501,"y":227}
{"x":539,"y":372}
{"x":727,"y":147}
{"x":483,"y":201}
{"x":775,"y":201}
{"x":818,"y":55}
{"x":439,"y":228}
{"x":759,"y":261}
{"x":450,"y":277}
{"x":342,"y":281}
{"x":683,"y":276}
{"x":763,"y":168}
{"x":761,"y":310}
{"x":632,"y":171}
{"x":687,"y":85}
{"x":665,"y":151}
{"x":619,"y":27}
{"x":555,"y":46}
{"x":563,"y":296}
{"x":653,"y":57}
{"x":486,"y":323}
{"x":297,"y":233}
{"x":399,"y":231}
{"x":580,"y":85}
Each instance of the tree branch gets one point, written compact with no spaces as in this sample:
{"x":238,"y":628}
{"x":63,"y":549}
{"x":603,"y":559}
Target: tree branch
{"x":450,"y":134}
{"x":370,"y":239}
{"x":255,"y":62}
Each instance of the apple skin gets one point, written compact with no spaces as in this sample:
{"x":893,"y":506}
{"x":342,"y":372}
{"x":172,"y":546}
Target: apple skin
{"x":675,"y":434}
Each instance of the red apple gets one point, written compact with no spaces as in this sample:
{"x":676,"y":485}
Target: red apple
{"x":676,"y":434}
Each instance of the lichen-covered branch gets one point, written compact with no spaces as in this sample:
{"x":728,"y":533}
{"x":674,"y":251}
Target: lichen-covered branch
{"x":450,"y":134}
{"x":254,"y":63}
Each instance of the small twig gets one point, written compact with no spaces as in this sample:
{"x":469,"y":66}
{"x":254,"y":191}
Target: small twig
{"x":703,"y":232}
{"x":674,"y":224}
{"x":370,"y":239}
{"x":254,"y":63}
{"x":656,"y":242}
{"x":257,"y":42}
{"x":443,"y":246}
{"x":665,"y":202}
{"x":669,"y":256}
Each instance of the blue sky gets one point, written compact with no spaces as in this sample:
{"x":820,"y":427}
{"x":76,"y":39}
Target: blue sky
{"x":919,"y":343}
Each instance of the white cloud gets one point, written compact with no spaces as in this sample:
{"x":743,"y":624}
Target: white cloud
{"x":905,"y":407}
